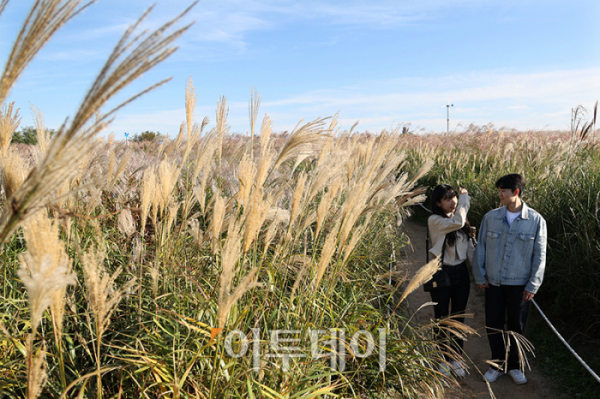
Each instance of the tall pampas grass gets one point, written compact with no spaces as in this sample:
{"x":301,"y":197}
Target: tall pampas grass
{"x":45,"y":268}
{"x":103,"y":296}
{"x":423,"y":275}
{"x":76,"y":139}
{"x":13,"y":172}
{"x":46,"y":272}
{"x":43,"y":20}
{"x":43,"y":136}
{"x":9,"y":122}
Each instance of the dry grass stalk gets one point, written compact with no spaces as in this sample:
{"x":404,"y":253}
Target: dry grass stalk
{"x":72,"y":142}
{"x":281,"y":216}
{"x":36,"y":371}
{"x":171,"y":216}
{"x":355,"y":238}
{"x":264,"y":164}
{"x":422,"y":276}
{"x":456,"y":328}
{"x":303,"y":142}
{"x":325,"y":205}
{"x":265,"y":135}
{"x":125,"y":223}
{"x":112,"y":160}
{"x":102,"y":294}
{"x":329,"y":248}
{"x":203,"y":163}
{"x":43,"y":20}
{"x":9,"y":122}
{"x":221,"y":129}
{"x":146,"y":196}
{"x":231,"y":256}
{"x":522,"y":346}
{"x":14,"y":170}
{"x":253,"y":113}
{"x":195,"y":231}
{"x":217,"y":218}
{"x":256,"y":214}
{"x":3,"y":4}
{"x":327,"y":174}
{"x":94,"y":200}
{"x":43,"y":136}
{"x":45,"y":269}
{"x":168,"y":174}
{"x":103,"y":298}
{"x":190,"y":104}
{"x":246,"y":173}
{"x":296,"y":205}
{"x":192,"y":130}
{"x":155,"y":276}
{"x":125,"y":159}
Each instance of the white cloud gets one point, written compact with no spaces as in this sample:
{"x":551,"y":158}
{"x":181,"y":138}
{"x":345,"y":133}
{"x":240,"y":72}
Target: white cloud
{"x":544,"y":99}
{"x":513,"y":100}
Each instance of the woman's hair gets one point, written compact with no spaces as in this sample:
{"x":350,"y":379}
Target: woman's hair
{"x":441,"y":192}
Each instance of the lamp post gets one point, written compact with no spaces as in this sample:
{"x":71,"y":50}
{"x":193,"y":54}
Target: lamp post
{"x":448,"y":116}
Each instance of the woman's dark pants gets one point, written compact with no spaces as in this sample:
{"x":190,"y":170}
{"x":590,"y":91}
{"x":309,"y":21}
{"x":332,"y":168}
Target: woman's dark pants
{"x":453,"y":300}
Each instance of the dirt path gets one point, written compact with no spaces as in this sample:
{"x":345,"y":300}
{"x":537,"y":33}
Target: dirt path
{"x":476,"y":348}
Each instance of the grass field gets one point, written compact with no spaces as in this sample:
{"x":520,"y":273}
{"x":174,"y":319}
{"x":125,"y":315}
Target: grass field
{"x":145,"y":270}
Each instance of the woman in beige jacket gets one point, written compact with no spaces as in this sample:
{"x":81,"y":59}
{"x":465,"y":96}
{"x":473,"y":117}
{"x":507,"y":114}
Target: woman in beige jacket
{"x":449,"y":233}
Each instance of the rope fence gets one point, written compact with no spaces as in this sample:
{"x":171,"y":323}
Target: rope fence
{"x":588,"y":368}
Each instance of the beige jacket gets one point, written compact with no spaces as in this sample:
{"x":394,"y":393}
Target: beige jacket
{"x":440,"y":226}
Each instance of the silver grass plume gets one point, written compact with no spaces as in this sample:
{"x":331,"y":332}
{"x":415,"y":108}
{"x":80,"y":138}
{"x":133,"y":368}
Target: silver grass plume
{"x":133,"y":56}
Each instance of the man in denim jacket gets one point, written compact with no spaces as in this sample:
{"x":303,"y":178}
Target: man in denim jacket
{"x":509,"y":264}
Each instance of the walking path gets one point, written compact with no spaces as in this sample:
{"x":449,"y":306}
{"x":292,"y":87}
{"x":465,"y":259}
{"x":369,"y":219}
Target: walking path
{"x":476,"y":347}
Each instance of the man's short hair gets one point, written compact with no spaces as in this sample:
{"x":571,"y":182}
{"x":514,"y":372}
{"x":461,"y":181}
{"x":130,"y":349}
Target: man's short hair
{"x":512,"y":182}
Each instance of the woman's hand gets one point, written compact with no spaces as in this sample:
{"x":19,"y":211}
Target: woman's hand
{"x":462,"y":190}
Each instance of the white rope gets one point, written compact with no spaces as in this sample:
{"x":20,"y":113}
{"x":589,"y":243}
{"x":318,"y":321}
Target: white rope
{"x":423,"y":206}
{"x":392,"y":263}
{"x":565,"y":342}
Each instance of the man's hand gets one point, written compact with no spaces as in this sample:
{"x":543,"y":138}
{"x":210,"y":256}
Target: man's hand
{"x":483,"y":286}
{"x":527,"y":296}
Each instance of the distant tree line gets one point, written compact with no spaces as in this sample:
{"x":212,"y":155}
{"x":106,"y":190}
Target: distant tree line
{"x":145,"y":136}
{"x":28,"y":135}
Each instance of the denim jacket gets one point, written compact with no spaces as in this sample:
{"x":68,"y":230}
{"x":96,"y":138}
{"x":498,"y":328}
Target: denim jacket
{"x":511,"y":255}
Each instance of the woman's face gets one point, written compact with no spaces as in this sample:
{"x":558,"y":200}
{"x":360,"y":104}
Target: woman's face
{"x":448,"y":205}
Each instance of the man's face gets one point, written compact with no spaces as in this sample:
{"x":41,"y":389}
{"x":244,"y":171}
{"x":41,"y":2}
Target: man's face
{"x":507,"y":197}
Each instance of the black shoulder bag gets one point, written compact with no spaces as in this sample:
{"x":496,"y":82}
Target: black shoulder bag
{"x":440,"y":279}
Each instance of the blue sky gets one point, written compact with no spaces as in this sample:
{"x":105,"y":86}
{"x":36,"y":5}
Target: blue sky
{"x":516,"y":63}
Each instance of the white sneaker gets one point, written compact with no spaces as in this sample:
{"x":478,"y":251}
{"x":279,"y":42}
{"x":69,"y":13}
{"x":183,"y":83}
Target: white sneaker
{"x":458,"y":368}
{"x":517,"y":376}
{"x":493,"y":374}
{"x":445,"y":369}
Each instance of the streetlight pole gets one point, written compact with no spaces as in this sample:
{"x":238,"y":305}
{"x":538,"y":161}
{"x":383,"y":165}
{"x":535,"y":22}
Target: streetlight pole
{"x":448,"y":117}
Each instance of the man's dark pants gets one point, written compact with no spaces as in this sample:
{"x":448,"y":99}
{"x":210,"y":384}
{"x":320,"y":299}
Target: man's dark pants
{"x":505,"y":304}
